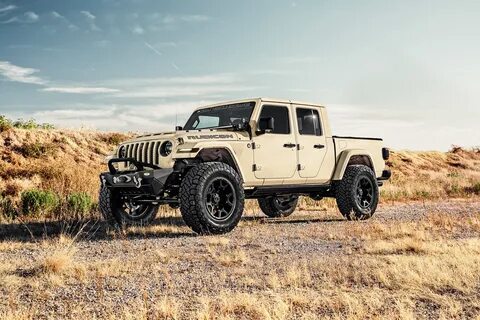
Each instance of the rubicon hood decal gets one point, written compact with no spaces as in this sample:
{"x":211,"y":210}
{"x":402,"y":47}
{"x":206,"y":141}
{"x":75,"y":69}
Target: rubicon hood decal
{"x":210,"y":136}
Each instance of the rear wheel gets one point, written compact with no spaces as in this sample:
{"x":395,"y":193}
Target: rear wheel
{"x":357,"y":193}
{"x":278,"y":206}
{"x":122,"y":212}
{"x":212,"y":198}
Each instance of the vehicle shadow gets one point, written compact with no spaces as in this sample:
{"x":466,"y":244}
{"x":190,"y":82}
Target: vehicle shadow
{"x":96,"y":230}
{"x":92,"y":230}
{"x":302,"y":220}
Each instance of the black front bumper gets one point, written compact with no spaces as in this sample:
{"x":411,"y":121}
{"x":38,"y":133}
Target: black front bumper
{"x":139,"y":181}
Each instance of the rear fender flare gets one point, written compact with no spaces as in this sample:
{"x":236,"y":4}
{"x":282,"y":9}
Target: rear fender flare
{"x":344,"y":159}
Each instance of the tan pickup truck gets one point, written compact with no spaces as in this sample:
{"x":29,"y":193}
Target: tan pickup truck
{"x":266,"y":149}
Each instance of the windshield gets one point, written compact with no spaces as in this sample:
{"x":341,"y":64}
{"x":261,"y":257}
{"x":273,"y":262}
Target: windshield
{"x":220,"y":116}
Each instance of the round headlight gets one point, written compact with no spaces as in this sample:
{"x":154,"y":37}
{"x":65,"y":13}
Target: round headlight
{"x":122,"y":152}
{"x":166,"y":148}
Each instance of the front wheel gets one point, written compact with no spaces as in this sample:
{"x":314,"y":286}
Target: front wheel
{"x":278,"y":206}
{"x":212,"y":198}
{"x":357,"y":193}
{"x":124,"y":213}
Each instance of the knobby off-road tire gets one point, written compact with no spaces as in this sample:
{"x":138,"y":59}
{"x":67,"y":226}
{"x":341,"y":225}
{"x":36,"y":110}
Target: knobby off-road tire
{"x":212,"y":198}
{"x":357,"y":193}
{"x":278,"y":206}
{"x":118,"y":213}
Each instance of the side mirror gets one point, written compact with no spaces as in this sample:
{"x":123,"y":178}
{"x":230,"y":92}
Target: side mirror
{"x":178,"y":128}
{"x":266,"y":125}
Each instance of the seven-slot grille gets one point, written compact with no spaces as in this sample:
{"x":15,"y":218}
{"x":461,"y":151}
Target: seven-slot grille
{"x":148,"y":152}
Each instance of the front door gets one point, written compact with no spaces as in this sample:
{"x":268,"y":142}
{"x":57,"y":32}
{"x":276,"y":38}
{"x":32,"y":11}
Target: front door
{"x":275,"y":152}
{"x":311,"y":141}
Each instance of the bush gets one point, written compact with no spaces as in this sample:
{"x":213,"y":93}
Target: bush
{"x":5,"y":124}
{"x":31,"y":124}
{"x":7,"y":207}
{"x":114,"y":138}
{"x":39,"y":201}
{"x":79,"y":202}
{"x":474,"y":188}
{"x":36,"y":149}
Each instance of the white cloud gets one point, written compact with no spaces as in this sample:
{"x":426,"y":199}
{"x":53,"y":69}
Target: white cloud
{"x":187,"y":18}
{"x":182,"y":91}
{"x":27,"y":17}
{"x":90,"y":20}
{"x":137,"y":29}
{"x":80,"y":90}
{"x":199,"y":87}
{"x":19,"y":74}
{"x":7,"y":8}
{"x":220,"y":78}
{"x":88,"y":14}
{"x":194,"y":18}
{"x":62,"y":18}
{"x":140,"y":118}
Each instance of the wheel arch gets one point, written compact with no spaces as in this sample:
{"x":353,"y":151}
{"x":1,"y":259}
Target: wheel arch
{"x":352,"y":157}
{"x":219,"y":154}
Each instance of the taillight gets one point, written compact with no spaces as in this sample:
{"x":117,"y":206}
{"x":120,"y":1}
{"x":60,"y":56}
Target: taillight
{"x":385,"y":153}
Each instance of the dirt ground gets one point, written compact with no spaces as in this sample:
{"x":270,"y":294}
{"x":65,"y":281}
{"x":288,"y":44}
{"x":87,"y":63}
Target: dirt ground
{"x":410,"y":260}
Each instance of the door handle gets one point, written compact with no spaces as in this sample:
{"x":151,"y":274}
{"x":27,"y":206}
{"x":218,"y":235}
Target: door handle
{"x":318,"y":146}
{"x":289,"y":145}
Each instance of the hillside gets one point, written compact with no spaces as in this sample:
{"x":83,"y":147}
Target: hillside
{"x":404,"y":263}
{"x":66,"y":162}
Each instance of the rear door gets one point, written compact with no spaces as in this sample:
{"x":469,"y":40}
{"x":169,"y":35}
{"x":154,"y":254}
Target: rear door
{"x":275,"y":153}
{"x":310,"y":139}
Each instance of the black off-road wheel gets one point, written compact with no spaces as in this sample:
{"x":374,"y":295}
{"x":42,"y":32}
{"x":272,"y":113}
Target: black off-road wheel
{"x":212,"y":198}
{"x":278,"y":206}
{"x":121,"y":213}
{"x":357,"y":193}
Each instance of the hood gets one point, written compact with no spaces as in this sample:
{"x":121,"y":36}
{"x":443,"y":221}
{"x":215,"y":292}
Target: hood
{"x":149,"y":148}
{"x":190,"y":136}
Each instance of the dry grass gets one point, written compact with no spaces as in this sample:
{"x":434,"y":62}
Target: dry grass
{"x":413,"y":269}
{"x":424,"y":268}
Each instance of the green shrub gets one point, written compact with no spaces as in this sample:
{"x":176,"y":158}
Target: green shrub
{"x":5,"y":124}
{"x":36,"y":149}
{"x":30,"y":124}
{"x":474,"y":188}
{"x":7,"y":207}
{"x":36,"y":201}
{"x":79,"y":202}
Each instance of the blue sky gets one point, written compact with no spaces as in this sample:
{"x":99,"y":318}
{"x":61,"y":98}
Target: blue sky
{"x":407,"y":71}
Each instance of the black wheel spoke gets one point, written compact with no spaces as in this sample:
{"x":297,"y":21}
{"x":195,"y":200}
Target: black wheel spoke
{"x":220,"y":199}
{"x":364,"y":193}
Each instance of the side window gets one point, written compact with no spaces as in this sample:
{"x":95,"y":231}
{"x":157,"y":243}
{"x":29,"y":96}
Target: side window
{"x":308,"y":122}
{"x":280,"y":118}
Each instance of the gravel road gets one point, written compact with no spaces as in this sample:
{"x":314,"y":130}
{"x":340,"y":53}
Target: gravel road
{"x":109,"y":271}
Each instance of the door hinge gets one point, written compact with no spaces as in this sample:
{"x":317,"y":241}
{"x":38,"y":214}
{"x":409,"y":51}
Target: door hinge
{"x":300,"y":167}
{"x":254,"y":145}
{"x":256,"y":168}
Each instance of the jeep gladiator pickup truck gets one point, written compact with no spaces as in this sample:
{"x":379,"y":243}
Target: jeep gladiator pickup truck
{"x":265,"y":149}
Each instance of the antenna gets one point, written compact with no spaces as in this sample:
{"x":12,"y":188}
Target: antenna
{"x":176,"y":117}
